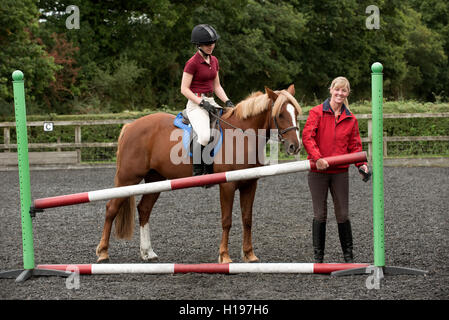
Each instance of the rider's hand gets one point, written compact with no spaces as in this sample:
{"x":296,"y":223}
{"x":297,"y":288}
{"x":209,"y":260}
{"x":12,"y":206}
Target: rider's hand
{"x":207,"y":106}
{"x":229,"y":104}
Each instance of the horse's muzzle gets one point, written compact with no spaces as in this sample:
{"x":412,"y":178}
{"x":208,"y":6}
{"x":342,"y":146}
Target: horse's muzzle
{"x":292,"y":148}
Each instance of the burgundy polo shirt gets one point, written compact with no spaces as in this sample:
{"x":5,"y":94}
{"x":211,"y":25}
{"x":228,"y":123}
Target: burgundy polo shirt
{"x":203,"y":73}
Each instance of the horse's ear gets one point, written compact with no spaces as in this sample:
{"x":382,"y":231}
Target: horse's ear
{"x":271,"y":94}
{"x":291,"y":89}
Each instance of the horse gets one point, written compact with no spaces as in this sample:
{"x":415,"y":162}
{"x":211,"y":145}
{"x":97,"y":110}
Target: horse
{"x":143,"y":153}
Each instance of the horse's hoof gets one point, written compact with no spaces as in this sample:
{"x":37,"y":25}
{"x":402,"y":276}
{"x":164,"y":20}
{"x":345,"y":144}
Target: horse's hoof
{"x":149,"y":256}
{"x":224,"y":260}
{"x":104,"y":260}
{"x":151,"y":259}
{"x":250,"y":258}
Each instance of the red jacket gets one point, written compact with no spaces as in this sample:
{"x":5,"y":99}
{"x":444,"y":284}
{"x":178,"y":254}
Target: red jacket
{"x":324,"y":136}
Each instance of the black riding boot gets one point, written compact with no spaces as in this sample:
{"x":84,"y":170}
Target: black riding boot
{"x":345,"y":234}
{"x":197,"y":169}
{"x":209,"y":168}
{"x":208,"y":163}
{"x":319,"y":240}
{"x":198,"y":163}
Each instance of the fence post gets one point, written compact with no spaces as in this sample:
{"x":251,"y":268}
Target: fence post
{"x":78,"y":140}
{"x":7,"y":137}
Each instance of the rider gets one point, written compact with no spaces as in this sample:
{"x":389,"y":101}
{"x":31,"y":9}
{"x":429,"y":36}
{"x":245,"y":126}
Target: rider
{"x":199,"y":82}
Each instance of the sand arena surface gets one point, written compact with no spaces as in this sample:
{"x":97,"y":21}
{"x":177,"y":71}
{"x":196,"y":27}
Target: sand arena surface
{"x":186,"y":228}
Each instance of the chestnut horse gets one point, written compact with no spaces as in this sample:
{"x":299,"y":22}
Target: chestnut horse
{"x":145,"y":151}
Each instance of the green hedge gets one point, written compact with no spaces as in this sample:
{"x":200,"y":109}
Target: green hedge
{"x":363,"y":107}
{"x":392,"y":127}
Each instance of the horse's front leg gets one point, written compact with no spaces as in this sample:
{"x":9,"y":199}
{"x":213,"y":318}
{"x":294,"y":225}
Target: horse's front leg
{"x":227,"y":192}
{"x":247,"y":194}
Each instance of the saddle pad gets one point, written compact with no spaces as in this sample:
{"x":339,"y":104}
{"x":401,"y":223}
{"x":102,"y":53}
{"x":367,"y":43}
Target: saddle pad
{"x":187,"y":132}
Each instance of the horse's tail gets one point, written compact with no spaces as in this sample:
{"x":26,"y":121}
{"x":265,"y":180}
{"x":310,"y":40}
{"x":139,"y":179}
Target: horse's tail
{"x":124,"y":221}
{"x":120,"y":143}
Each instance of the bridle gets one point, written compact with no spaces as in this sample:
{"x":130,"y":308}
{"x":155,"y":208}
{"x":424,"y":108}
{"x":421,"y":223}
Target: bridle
{"x":282,"y":132}
{"x":279,"y":132}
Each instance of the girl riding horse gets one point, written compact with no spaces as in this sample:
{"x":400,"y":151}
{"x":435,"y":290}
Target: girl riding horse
{"x":200,"y":81}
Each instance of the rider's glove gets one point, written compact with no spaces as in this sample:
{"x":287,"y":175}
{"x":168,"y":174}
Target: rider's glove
{"x":229,"y":104}
{"x":207,"y":106}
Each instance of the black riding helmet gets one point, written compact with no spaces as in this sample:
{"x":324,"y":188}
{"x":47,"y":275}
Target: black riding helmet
{"x":204,"y":34}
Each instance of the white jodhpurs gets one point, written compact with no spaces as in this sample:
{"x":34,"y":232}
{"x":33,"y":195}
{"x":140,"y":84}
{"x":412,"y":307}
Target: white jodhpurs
{"x":199,"y":118}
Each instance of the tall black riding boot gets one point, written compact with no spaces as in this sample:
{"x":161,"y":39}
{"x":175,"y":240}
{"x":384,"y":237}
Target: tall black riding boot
{"x":345,"y":234}
{"x":208,"y":162}
{"x":319,"y":240}
{"x":208,"y":166}
{"x":197,"y":158}
{"x":197,"y":169}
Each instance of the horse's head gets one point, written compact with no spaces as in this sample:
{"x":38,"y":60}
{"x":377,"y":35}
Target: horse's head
{"x":285,"y":112}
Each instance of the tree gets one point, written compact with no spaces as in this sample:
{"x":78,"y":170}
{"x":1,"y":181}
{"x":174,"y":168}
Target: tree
{"x":145,"y":32}
{"x":339,"y":44}
{"x":132,"y":53}
{"x":20,"y":50}
{"x":434,"y":14}
{"x":258,"y":44}
{"x":62,"y":88}
{"x":425,"y":58}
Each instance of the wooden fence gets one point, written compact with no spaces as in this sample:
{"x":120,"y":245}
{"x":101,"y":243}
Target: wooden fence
{"x":8,"y":158}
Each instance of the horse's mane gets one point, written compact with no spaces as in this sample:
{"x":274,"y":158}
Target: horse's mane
{"x":258,"y":102}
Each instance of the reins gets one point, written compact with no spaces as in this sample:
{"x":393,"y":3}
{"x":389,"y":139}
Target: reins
{"x":234,"y":127}
{"x":280,"y":133}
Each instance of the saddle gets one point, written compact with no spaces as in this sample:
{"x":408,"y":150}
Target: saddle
{"x":182,"y":121}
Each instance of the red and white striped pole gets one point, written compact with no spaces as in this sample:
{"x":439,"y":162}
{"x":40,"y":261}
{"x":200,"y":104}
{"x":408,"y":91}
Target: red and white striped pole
{"x":231,"y":268}
{"x":197,"y":181}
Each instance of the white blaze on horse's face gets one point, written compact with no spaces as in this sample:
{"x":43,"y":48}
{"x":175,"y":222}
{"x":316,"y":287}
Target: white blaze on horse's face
{"x":291,"y":111}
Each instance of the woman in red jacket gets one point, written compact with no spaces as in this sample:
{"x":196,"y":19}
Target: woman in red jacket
{"x":331,"y":129}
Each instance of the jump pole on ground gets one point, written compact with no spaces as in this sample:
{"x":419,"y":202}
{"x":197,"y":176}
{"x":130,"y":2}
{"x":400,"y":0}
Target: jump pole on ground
{"x":220,"y":268}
